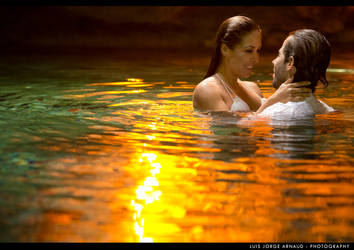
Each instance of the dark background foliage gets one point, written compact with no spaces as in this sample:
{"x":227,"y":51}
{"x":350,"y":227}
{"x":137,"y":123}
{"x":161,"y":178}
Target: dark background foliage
{"x":166,"y":27}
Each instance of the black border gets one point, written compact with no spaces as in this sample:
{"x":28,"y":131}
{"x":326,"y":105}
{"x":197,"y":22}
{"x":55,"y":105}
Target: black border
{"x":175,"y":3}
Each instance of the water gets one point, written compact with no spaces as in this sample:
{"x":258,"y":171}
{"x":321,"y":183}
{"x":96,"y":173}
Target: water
{"x":107,"y":148}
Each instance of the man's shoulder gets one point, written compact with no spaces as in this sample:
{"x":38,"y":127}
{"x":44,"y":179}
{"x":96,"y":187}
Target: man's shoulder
{"x":324,"y":108}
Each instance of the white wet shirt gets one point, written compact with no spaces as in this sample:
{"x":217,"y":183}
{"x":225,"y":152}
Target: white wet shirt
{"x":296,"y":110}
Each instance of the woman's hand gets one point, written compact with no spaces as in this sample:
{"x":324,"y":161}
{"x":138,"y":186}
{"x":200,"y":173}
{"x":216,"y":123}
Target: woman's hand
{"x":287,"y":92}
{"x":290,"y":92}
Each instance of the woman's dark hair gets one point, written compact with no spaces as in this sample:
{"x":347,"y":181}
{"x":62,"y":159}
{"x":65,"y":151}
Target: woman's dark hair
{"x":312,"y":53}
{"x":230,"y":32}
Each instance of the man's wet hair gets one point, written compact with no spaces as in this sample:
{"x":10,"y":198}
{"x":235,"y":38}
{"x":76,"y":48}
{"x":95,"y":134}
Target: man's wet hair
{"x":311,"y":52}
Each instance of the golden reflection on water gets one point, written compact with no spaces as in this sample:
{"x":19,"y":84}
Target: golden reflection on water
{"x":130,"y":81}
{"x":153,"y":183}
{"x":145,"y":195}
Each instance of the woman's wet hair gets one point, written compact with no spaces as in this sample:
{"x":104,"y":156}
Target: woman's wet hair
{"x":312,"y":53}
{"x":231,"y":33}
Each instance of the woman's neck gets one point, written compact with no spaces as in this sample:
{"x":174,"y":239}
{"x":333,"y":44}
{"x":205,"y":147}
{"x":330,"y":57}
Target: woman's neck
{"x":240,"y":89}
{"x":228,"y":77}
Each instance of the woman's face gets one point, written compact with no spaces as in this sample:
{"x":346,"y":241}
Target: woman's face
{"x":243,"y":57}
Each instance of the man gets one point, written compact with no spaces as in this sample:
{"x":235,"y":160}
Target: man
{"x":304,"y":56}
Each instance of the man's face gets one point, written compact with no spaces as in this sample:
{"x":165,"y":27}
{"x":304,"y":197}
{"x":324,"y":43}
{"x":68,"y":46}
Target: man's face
{"x":280,"y":72}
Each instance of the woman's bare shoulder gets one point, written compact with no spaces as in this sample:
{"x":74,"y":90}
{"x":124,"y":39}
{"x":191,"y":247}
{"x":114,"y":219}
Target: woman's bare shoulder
{"x":208,"y":82}
{"x":207,"y":94}
{"x":208,"y":86}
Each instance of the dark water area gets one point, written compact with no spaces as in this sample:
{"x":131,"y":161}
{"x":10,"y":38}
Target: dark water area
{"x":104,"y":146}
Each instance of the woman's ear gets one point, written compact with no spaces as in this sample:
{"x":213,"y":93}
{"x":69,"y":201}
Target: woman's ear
{"x":290,"y":66}
{"x":224,"y":49}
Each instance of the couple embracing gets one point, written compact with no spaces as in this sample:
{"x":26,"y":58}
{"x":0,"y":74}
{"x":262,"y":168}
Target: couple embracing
{"x":301,"y":63}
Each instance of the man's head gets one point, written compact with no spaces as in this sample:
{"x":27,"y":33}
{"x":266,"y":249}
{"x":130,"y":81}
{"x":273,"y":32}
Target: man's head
{"x":305,"y":55}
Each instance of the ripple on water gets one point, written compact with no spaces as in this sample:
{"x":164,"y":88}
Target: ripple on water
{"x":114,"y":159}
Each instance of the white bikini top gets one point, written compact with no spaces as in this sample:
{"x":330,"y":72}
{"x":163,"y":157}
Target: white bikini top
{"x":238,"y":104}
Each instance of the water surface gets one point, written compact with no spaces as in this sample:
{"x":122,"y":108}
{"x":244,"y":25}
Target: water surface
{"x":106,"y":148}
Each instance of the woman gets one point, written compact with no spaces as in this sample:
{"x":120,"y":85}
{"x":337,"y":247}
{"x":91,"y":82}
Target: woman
{"x":238,"y":42}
